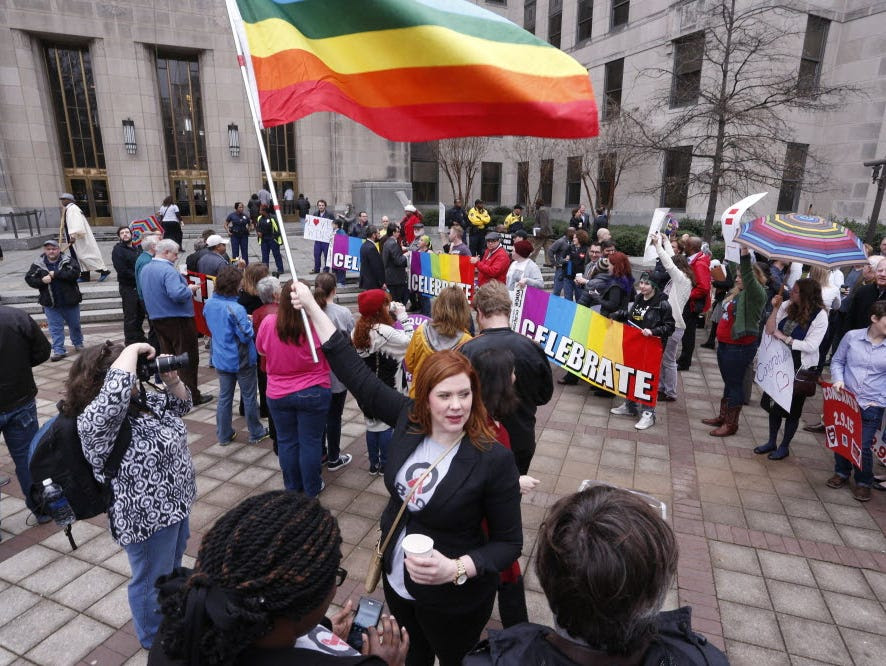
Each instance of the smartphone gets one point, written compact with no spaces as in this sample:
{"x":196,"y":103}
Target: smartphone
{"x":368,"y":614}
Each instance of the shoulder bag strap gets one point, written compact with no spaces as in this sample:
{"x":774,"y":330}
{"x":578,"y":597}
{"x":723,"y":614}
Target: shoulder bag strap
{"x":415,"y":487}
{"x":121,"y":445}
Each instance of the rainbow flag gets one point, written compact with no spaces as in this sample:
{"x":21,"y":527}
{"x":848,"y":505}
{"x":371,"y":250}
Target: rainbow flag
{"x":606,"y":353}
{"x":410,"y":70}
{"x":429,"y":273}
{"x":345,"y":252}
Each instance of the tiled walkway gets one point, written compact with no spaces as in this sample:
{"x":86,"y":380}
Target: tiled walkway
{"x":778,"y":568}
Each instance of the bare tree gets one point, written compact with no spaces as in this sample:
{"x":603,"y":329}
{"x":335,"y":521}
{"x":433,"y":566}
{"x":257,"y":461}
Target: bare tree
{"x":604,"y":158}
{"x":538,"y":151}
{"x":731,"y":88}
{"x":460,"y":160}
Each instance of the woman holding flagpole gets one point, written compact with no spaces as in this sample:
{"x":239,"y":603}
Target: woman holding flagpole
{"x":446,"y":474}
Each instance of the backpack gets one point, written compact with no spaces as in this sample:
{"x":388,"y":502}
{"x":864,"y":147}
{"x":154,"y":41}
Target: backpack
{"x":59,"y":455}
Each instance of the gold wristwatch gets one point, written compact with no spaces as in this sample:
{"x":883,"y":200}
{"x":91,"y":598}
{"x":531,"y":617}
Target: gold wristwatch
{"x":461,"y":574}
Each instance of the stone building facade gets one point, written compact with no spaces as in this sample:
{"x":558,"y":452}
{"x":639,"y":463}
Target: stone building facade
{"x":125,"y":102}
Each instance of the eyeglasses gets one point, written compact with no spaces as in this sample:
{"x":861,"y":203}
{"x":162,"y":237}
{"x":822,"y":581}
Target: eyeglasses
{"x":340,"y":575}
{"x":654,"y":502}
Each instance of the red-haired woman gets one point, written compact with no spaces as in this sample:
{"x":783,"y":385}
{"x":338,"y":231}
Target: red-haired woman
{"x":615,"y":293}
{"x":444,"y":599}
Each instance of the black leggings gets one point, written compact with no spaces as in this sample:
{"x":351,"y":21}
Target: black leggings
{"x":449,"y":636}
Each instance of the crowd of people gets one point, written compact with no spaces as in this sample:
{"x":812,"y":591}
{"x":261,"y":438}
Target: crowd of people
{"x":450,"y":413}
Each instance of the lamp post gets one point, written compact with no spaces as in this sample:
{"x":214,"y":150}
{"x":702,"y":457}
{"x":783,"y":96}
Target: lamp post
{"x":878,"y":176}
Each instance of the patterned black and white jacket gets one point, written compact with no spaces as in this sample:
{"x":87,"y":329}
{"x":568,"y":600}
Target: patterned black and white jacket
{"x":156,"y":484}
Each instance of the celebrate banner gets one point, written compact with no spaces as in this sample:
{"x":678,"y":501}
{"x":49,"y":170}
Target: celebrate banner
{"x":606,"y":353}
{"x":345,"y":253}
{"x":430,"y":273}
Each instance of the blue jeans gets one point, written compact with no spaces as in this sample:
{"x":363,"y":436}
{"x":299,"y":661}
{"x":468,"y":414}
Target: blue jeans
{"x":871,"y":417}
{"x":667,"y":382}
{"x":19,"y":427}
{"x":268,"y":246}
{"x":320,"y":251}
{"x":568,"y":288}
{"x":733,"y":361}
{"x":248,"y":382}
{"x":240,"y":247}
{"x":377,"y":446}
{"x":558,"y":281}
{"x":57,"y":317}
{"x":300,"y":419}
{"x":157,"y":556}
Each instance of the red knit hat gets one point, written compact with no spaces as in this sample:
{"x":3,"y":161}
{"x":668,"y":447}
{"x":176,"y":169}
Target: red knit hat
{"x":371,"y":301}
{"x":523,"y":248}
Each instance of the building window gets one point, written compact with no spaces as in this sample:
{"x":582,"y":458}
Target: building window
{"x":792,"y":177}
{"x":606,"y":179}
{"x":425,"y":173}
{"x":280,"y":146}
{"x":523,"y":183}
{"x":688,"y":56}
{"x":73,"y":95}
{"x":813,"y":52}
{"x":620,"y":11}
{"x":614,"y":73}
{"x":573,"y":181}
{"x":675,"y":188}
{"x":529,"y":16}
{"x":585,"y":19}
{"x":490,"y":182}
{"x":555,"y":22}
{"x":182,"y":111}
{"x":546,"y":182}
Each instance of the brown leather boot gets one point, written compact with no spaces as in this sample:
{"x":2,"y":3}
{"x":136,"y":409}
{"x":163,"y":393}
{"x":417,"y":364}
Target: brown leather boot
{"x":717,"y":420}
{"x":730,"y":425}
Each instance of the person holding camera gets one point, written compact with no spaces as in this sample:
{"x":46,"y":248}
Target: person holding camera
{"x":155,"y":487}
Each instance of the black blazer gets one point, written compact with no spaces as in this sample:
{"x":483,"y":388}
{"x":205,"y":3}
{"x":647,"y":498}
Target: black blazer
{"x":479,"y":484}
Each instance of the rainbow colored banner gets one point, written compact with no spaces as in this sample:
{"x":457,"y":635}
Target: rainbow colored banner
{"x":429,"y":273}
{"x":345,"y":253}
{"x":603,"y":352}
{"x":411,"y":70}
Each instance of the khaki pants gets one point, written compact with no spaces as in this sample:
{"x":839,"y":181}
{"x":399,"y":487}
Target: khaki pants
{"x":539,"y":242}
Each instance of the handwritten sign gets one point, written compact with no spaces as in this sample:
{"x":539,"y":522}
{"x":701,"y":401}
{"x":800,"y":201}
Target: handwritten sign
{"x":658,"y":219}
{"x":730,"y":222}
{"x":318,"y":228}
{"x":774,"y":372}
{"x":842,"y":423}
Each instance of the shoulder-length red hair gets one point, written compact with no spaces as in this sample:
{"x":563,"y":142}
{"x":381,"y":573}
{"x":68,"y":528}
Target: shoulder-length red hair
{"x":443,"y":365}
{"x":619,"y":265}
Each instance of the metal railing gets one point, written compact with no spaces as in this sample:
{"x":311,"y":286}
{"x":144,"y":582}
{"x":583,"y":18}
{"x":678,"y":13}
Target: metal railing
{"x":31,"y":218}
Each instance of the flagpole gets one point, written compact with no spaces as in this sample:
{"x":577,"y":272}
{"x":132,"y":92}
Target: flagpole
{"x":241,"y":62}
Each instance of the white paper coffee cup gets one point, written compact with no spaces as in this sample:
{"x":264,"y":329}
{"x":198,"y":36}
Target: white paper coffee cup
{"x":418,"y":545}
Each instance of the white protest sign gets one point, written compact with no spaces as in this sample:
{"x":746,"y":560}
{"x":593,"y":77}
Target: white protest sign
{"x":774,"y":372}
{"x":730,"y":223}
{"x":441,"y":217}
{"x":318,"y":228}
{"x":658,"y":219}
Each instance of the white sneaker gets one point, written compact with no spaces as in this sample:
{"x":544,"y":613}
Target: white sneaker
{"x":647,"y":420}
{"x":624,"y":409}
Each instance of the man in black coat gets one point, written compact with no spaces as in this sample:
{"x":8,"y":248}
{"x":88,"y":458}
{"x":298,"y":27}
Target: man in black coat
{"x":534,"y":382}
{"x":22,"y":347}
{"x":859,"y":315}
{"x":123,"y":256}
{"x":372,"y":271}
{"x":55,"y":274}
{"x":457,"y":215}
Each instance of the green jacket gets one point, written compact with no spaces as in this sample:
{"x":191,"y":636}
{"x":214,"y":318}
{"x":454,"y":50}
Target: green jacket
{"x":749,"y":303}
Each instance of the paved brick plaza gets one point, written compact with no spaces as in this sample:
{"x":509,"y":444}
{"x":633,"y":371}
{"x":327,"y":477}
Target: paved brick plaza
{"x":779,"y":568}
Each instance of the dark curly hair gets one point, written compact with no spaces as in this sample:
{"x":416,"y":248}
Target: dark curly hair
{"x":273,"y":555}
{"x":86,"y":377}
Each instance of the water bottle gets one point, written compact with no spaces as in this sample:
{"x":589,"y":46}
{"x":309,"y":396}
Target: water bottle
{"x":59,"y":508}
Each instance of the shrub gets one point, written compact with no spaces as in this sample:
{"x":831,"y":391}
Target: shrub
{"x":502,"y":211}
{"x":431,"y":217}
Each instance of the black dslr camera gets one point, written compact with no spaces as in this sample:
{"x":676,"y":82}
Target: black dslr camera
{"x":146,"y":368}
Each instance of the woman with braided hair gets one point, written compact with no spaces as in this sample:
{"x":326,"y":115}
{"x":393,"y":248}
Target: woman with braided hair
{"x":446,"y":475}
{"x":264,"y":578}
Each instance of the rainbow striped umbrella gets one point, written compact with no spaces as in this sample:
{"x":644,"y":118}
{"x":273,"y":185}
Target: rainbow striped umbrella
{"x":805,"y":238}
